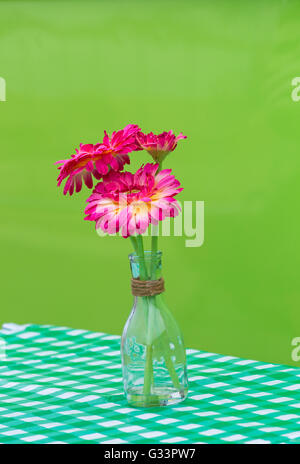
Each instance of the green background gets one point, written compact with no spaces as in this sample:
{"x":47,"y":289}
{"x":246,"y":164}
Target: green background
{"x":220,"y":72}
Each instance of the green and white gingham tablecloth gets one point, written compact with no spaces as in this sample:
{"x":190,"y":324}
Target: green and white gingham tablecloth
{"x":59,"y":385}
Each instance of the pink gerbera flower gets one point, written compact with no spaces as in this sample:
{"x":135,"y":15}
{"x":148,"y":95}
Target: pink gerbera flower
{"x":130,"y":202}
{"x":78,"y":168}
{"x":159,"y":145}
{"x":96,"y":160}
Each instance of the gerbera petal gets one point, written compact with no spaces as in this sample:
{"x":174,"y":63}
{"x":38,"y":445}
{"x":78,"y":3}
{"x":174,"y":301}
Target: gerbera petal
{"x":101,"y":167}
{"x":88,"y":179}
{"x":67,"y":185}
{"x":71,"y":188}
{"x":114,"y":164}
{"x":78,"y":182}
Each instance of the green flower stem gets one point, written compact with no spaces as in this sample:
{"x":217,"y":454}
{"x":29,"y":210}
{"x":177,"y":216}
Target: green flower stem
{"x":149,"y":305}
{"x":148,"y":373}
{"x":165,"y":343}
{"x":154,"y":252}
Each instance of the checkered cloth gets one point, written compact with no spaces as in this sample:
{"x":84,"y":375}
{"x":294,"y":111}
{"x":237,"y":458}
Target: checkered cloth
{"x":59,"y":385}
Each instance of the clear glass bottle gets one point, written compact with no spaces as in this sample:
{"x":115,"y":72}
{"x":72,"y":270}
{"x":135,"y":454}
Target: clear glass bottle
{"x":153,"y":352}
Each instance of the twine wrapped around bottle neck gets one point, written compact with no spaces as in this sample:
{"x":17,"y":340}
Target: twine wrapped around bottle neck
{"x":147,"y":287}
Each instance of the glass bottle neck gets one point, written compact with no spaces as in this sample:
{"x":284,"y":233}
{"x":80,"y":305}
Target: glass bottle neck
{"x":147,"y":267}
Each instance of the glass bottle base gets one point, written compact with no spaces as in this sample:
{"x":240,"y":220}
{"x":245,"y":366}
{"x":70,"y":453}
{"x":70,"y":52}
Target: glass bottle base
{"x":160,"y":396}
